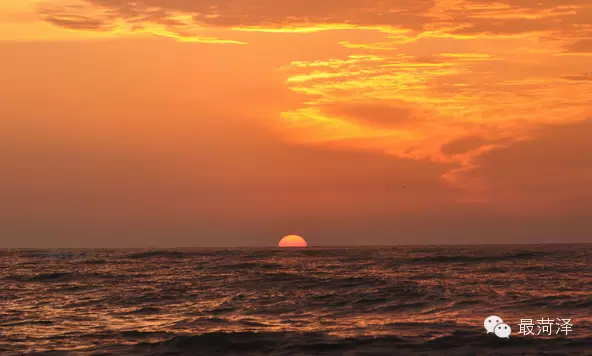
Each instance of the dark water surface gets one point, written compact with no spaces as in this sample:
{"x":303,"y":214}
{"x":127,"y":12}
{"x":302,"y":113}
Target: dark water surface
{"x":355,"y":301}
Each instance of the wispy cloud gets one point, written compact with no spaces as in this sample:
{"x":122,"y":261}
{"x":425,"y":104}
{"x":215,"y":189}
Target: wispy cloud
{"x":451,"y":80}
{"x":580,"y":77}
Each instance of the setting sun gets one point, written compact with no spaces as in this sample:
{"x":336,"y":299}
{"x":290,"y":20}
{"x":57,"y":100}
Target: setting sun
{"x":292,"y":241}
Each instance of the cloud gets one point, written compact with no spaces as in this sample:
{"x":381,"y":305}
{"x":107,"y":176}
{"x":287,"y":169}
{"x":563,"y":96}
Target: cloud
{"x":581,"y":77}
{"x":428,"y":16}
{"x":125,"y":18}
{"x":229,"y":13}
{"x":527,"y":4}
{"x":584,"y":45}
{"x":79,"y":23}
{"x":289,"y":15}
{"x":461,"y":70}
{"x":551,"y":170}
{"x":395,"y":114}
{"x":504,"y":27}
{"x":78,"y":17}
{"x":468,"y":144}
{"x":448,"y":110}
{"x":462,"y":145}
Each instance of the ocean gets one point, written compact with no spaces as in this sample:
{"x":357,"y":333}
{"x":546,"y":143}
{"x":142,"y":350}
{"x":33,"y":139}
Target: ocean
{"x":409,"y":300}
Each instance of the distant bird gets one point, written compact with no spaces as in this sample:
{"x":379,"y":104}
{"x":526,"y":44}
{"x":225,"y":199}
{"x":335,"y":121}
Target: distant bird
{"x":403,"y":186}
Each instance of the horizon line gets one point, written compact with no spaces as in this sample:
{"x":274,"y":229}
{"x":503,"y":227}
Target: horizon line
{"x":290,"y":248}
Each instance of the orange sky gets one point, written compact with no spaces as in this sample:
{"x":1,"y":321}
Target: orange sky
{"x":204,"y":122}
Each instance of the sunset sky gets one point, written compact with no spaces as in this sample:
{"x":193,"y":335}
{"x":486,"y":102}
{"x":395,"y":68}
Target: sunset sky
{"x":236,"y":122}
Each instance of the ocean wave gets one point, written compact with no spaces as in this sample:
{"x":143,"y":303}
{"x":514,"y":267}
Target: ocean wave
{"x":479,"y":258}
{"x":249,"y":265}
{"x":315,"y":343}
{"x":157,"y":253}
{"x":43,"y":277}
{"x":95,"y":262}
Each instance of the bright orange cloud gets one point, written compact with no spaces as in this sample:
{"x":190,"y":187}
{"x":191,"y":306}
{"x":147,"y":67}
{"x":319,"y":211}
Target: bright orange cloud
{"x":450,"y":80}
